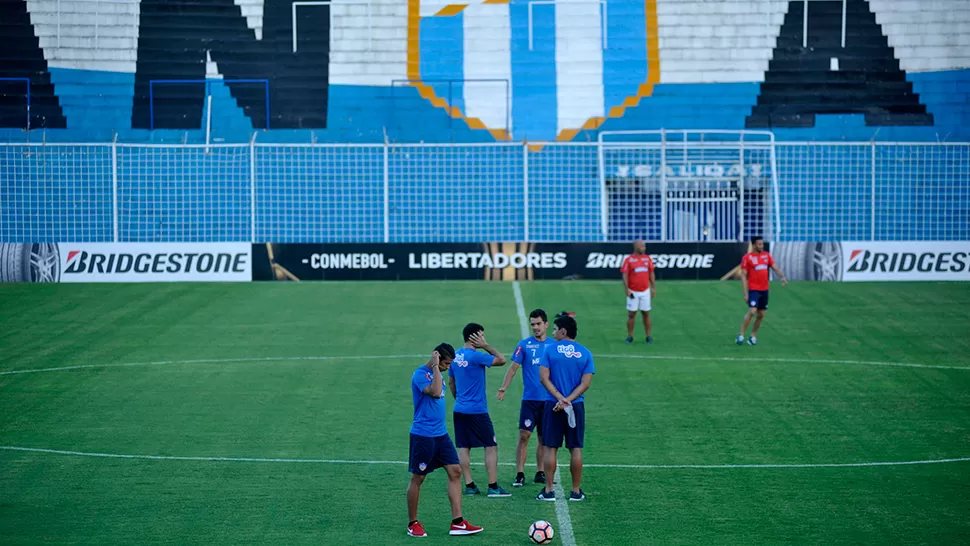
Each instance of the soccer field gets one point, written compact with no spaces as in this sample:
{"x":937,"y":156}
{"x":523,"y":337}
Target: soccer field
{"x":277,"y":413}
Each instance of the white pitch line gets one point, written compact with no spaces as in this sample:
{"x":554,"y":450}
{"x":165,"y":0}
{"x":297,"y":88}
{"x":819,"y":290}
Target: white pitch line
{"x":399,"y":463}
{"x":380,"y":357}
{"x":565,"y":530}
{"x":208,"y":361}
{"x":788,"y":360}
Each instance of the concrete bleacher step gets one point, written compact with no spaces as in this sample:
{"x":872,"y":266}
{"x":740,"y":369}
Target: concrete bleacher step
{"x":822,"y":63}
{"x":21,"y":57}
{"x":797,"y":79}
{"x":901,"y":100}
{"x":866,"y":78}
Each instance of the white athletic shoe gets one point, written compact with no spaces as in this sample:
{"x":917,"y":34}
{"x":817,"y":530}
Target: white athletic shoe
{"x":752,"y":340}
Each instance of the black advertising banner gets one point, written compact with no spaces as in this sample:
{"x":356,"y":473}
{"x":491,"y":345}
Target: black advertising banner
{"x":486,"y":261}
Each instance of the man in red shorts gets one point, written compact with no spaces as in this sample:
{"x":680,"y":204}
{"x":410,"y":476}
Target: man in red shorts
{"x":640,"y":283}
{"x":754,"y":282}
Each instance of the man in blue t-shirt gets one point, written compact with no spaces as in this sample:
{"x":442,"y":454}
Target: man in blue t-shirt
{"x":431,"y":447}
{"x":527,"y":354}
{"x":473,"y":426}
{"x":566,"y":370}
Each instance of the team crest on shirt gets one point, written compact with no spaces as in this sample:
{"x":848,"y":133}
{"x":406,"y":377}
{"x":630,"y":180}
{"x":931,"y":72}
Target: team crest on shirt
{"x":518,"y":350}
{"x":422,"y":467}
{"x":460,"y":361}
{"x":569,"y":351}
{"x":527,"y":422}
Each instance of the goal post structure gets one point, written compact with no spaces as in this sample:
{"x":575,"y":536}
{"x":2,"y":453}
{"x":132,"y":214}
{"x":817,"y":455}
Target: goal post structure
{"x":690,"y":185}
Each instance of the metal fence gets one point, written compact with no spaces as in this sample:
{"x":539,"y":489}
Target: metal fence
{"x":609,"y":190}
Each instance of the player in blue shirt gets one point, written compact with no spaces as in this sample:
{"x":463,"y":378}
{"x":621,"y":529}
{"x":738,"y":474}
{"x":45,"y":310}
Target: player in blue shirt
{"x":473,"y":426}
{"x":527,"y":354}
{"x":431,"y":447}
{"x":566,"y":370}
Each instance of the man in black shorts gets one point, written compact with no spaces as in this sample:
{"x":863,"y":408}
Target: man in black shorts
{"x":431,"y":446}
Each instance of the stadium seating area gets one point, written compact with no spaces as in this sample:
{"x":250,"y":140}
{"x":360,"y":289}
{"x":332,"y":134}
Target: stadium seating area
{"x":427,"y":70}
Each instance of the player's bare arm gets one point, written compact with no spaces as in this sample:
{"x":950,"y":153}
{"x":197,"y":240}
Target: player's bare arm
{"x":581,"y":388}
{"x":509,"y":376}
{"x":547,"y":383}
{"x":452,"y":387}
{"x":626,"y":284}
{"x":744,"y":284}
{"x":784,"y":280}
{"x":434,"y":389}
{"x":478,"y":341}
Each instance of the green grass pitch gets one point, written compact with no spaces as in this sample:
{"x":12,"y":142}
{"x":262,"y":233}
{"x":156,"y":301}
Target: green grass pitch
{"x":230,"y":380}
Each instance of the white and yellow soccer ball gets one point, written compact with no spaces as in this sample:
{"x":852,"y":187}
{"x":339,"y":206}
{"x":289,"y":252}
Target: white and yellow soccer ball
{"x":541,"y":532}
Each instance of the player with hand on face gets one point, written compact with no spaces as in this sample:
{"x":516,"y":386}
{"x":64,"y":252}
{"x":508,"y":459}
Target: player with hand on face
{"x":473,"y":426}
{"x":527,"y":354}
{"x":431,"y":447}
{"x":754,"y":283}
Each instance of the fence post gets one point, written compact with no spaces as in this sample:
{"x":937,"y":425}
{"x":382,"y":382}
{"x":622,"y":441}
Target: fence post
{"x":387,"y":193}
{"x":663,"y":185}
{"x":604,"y":195}
{"x":872,"y":197}
{"x":252,"y":188}
{"x":525,"y":192}
{"x":775,"y":190}
{"x":741,"y":186}
{"x":114,"y":188}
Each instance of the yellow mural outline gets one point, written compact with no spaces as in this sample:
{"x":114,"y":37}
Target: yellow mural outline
{"x":427,"y":92}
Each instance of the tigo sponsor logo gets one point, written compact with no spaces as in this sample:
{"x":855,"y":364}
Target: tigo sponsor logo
{"x":569,"y":351}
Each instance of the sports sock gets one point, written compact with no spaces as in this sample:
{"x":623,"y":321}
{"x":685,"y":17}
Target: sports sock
{"x":457,"y":520}
{"x":493,"y":486}
{"x":470,"y":485}
{"x":410,"y":523}
{"x":520,"y":475}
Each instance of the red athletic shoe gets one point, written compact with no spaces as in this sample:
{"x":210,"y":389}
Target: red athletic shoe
{"x":416,"y":530}
{"x":464,"y":528}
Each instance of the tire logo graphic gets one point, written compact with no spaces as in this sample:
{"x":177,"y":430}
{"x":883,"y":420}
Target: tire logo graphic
{"x":802,"y":261}
{"x":30,"y":262}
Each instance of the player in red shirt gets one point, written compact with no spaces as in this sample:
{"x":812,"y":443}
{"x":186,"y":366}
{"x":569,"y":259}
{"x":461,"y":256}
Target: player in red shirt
{"x":754,"y":282}
{"x":640,"y":283}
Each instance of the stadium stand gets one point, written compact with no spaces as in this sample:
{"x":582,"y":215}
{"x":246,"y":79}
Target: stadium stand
{"x":431,"y":71}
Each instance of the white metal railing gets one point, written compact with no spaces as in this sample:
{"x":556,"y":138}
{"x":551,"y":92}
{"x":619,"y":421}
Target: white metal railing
{"x":659,"y":189}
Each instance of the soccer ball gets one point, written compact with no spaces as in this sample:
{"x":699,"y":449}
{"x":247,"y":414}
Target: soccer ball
{"x":541,"y":532}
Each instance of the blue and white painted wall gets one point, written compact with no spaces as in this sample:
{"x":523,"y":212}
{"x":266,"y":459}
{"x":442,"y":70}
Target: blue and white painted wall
{"x":485,"y":70}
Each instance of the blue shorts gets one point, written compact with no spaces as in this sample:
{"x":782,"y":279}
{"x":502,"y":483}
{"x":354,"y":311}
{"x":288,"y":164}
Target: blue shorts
{"x":429,"y":453}
{"x":758,"y":298}
{"x":530,"y":415}
{"x":555,"y":426}
{"x":474,"y":430}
